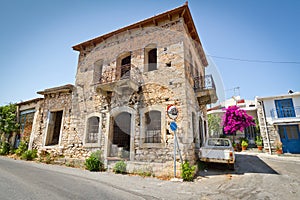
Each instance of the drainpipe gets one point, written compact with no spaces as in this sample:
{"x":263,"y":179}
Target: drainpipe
{"x":265,"y":124}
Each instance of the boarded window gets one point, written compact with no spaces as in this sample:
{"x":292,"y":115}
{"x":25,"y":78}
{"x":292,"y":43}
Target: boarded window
{"x":54,"y":126}
{"x":153,"y":127}
{"x":93,"y":130}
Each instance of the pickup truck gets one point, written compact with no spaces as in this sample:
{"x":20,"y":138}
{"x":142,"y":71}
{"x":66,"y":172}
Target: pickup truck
{"x":218,"y":150}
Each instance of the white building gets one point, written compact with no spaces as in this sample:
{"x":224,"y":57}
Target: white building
{"x":248,"y":105}
{"x":279,"y":118}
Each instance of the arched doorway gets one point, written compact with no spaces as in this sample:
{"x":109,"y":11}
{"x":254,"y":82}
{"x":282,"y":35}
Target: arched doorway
{"x":121,"y":128}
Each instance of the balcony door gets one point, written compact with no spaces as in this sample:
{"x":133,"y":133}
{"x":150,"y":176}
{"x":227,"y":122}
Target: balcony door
{"x":125,"y":67}
{"x":285,"y":108}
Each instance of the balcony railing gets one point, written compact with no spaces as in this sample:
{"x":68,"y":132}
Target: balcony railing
{"x":205,"y":90}
{"x":285,"y":112}
{"x":204,"y":83}
{"x":114,"y":77}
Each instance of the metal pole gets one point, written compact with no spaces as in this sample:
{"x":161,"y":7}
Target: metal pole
{"x":175,"y":141}
{"x":181,"y":160}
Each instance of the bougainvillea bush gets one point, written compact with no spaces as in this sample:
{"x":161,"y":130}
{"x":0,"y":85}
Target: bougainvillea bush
{"x":236,"y":119}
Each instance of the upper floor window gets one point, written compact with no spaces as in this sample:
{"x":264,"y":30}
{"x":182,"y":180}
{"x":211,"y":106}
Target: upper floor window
{"x":151,"y":57}
{"x":285,"y":108}
{"x":92,"y":130}
{"x":123,"y":66}
{"x":153,"y":126}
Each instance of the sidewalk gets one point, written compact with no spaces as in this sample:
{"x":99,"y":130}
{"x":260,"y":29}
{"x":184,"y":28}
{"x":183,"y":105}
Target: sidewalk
{"x":264,"y":154}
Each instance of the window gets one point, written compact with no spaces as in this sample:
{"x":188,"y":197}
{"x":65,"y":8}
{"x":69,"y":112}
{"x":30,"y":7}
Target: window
{"x":125,"y":67}
{"x":153,"y":127}
{"x":285,"y":108}
{"x":150,"y":58}
{"x":97,"y":71}
{"x":289,"y":132}
{"x":92,"y":130}
{"x":54,"y":126}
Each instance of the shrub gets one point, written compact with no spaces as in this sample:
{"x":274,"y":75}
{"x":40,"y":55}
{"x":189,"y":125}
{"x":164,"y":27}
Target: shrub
{"x":94,"y":162}
{"x":187,"y":171}
{"x":120,"y":167}
{"x":29,"y":154}
{"x":5,"y":147}
{"x":23,"y":146}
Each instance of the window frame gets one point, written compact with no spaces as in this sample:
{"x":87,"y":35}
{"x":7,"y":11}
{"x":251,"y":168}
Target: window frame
{"x":49,"y":116}
{"x":143,"y":129}
{"x":86,"y":131}
{"x":147,"y":50}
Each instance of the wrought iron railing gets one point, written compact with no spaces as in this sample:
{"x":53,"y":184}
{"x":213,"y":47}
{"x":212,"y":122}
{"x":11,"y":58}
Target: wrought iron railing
{"x":285,"y":112}
{"x":120,"y":73}
{"x":204,"y":82}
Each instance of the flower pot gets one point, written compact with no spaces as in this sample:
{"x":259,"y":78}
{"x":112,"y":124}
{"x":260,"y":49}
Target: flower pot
{"x":278,"y":151}
{"x":244,"y":148}
{"x":260,"y":148}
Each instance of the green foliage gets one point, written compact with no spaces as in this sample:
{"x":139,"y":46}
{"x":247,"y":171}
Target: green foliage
{"x":214,"y":123}
{"x":94,"y":162}
{"x":5,"y":147}
{"x":29,"y":154}
{"x":187,"y":171}
{"x":23,"y":146}
{"x":259,"y":141}
{"x":244,"y":143}
{"x":120,"y":167}
{"x":8,"y":119}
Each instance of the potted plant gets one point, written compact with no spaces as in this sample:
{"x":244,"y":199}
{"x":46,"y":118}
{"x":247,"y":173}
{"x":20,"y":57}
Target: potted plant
{"x":244,"y":145}
{"x":259,"y":143}
{"x":278,"y":146}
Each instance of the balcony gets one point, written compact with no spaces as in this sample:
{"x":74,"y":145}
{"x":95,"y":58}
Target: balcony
{"x":285,"y":113}
{"x":205,"y":89}
{"x":119,"y":79}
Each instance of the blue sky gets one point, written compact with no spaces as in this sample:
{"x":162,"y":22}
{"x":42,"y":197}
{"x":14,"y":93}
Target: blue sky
{"x":37,"y":36}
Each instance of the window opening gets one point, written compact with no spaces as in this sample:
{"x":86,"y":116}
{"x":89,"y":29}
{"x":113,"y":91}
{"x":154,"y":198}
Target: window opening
{"x":93,"y":130}
{"x":54,"y":127}
{"x":153,"y":127}
{"x":152,"y":59}
{"x":125,"y":67}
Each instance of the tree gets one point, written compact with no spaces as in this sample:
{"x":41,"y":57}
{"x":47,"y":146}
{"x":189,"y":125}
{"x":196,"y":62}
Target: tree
{"x":236,"y":119}
{"x":8,"y":120}
{"x":214,"y":123}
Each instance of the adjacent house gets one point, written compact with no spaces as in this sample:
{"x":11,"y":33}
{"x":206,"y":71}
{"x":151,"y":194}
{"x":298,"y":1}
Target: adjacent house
{"x":279,"y":118}
{"x":248,"y":105}
{"x":125,"y":81}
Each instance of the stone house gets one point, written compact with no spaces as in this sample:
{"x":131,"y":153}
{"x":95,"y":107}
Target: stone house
{"x":125,"y":81}
{"x":279,"y":119}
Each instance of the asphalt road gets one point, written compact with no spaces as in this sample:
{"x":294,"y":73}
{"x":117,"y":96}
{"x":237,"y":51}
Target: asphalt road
{"x":255,"y":177}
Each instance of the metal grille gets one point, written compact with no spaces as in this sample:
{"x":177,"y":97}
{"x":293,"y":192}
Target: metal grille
{"x":153,"y":127}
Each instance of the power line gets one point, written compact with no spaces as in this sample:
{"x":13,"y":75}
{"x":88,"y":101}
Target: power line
{"x":256,"y":61}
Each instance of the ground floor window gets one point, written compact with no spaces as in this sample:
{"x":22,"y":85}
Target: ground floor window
{"x":92,"y":130}
{"x":54,"y":126}
{"x":153,"y":126}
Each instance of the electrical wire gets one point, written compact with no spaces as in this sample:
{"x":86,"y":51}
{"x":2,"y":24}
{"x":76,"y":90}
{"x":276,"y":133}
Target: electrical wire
{"x":256,"y":61}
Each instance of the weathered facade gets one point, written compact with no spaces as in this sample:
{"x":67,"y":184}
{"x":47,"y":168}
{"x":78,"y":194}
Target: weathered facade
{"x":125,"y":81}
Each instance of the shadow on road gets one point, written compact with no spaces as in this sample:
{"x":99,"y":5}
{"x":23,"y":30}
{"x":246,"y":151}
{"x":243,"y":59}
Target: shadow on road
{"x":244,"y":164}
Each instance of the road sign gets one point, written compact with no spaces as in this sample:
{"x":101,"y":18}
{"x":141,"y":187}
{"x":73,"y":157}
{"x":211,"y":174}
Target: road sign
{"x":173,"y":126}
{"x":172,"y":112}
